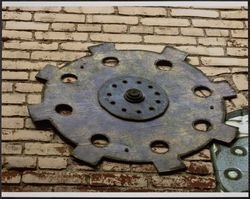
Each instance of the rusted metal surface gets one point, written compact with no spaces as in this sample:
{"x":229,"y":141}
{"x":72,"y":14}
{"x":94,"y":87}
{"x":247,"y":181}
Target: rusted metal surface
{"x":192,"y":114}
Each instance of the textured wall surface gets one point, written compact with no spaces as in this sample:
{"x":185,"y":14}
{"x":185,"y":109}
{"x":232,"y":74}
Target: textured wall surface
{"x":38,"y":160}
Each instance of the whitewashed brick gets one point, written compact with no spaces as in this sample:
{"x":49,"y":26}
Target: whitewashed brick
{"x":211,"y":23}
{"x":212,"y":41}
{"x":9,"y":75}
{"x":31,"y":45}
{"x":237,"y":51}
{"x":194,"y":13}
{"x":15,"y":54}
{"x":20,"y":25}
{"x":52,"y":162}
{"x":115,"y":38}
{"x":170,"y":39}
{"x":201,"y":50}
{"x":150,"y":11}
{"x":12,"y":34}
{"x":224,"y":61}
{"x":237,"y":14}
{"x":114,"y":28}
{"x":217,"y":32}
{"x":89,"y":27}
{"x":89,"y":10}
{"x":192,"y":31}
{"x":63,"y":27}
{"x":111,"y":19}
{"x":13,"y":110}
{"x":61,"y":36}
{"x":57,"y":56}
{"x":239,"y":33}
{"x":23,"y":16}
{"x":166,"y":31}
{"x":156,"y":21}
{"x":55,"y":17}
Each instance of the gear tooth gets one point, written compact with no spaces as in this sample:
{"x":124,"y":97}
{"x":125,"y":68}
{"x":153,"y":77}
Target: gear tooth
{"x":175,"y":53}
{"x":229,"y":135}
{"x":46,"y":73}
{"x":102,"y":47}
{"x":80,"y":153}
{"x":168,"y":164}
{"x":226,"y":90}
{"x":38,"y":112}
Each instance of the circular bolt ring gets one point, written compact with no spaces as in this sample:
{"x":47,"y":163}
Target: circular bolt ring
{"x":134,"y":95}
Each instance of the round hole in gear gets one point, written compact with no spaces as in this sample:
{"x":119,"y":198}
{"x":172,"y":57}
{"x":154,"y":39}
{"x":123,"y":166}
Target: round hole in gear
{"x":238,"y":150}
{"x":99,"y":140}
{"x":233,"y":174}
{"x":159,"y":147}
{"x":151,"y":108}
{"x":69,"y":78}
{"x":64,"y":109}
{"x":202,"y":125}
{"x":164,"y":65}
{"x":202,"y":91}
{"x":110,"y":61}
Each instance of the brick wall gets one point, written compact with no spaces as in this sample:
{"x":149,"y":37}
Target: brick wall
{"x":38,"y":160}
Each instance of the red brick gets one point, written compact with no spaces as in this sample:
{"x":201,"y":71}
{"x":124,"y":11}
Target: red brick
{"x":56,"y":177}
{"x":201,"y":168}
{"x":184,"y":181}
{"x":117,"y":179}
{"x":113,"y":166}
{"x":11,"y":177}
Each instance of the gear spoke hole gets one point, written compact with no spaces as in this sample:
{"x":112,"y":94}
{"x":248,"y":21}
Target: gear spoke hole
{"x":99,"y":140}
{"x":112,"y":102}
{"x":158,"y":101}
{"x":114,"y":85}
{"x":110,"y":61}
{"x":150,"y":86}
{"x":109,"y":94}
{"x":159,"y":147}
{"x":64,"y":109}
{"x":164,"y":65}
{"x":151,"y":108}
{"x":202,"y":125}
{"x":157,"y":93}
{"x":138,"y":111}
{"x":138,"y":82}
{"x":202,"y":91}
{"x":125,"y":81}
{"x":124,"y":110}
{"x":69,"y":78}
{"x":126,"y":150}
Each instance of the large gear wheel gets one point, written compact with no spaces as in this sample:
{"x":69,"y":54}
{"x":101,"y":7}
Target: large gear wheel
{"x":134,"y":106}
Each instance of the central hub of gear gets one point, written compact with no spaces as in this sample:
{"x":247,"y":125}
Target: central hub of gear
{"x":134,"y":95}
{"x":133,"y":98}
